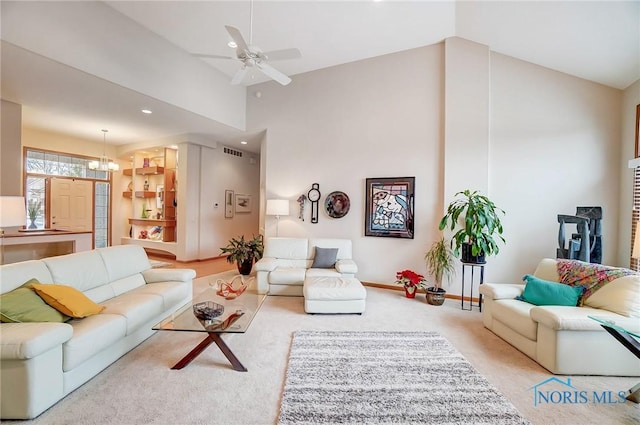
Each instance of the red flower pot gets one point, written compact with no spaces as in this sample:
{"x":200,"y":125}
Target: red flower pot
{"x":410,"y":291}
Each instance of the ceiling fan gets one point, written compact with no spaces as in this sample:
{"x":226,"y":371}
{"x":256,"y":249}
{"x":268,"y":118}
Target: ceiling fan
{"x":251,"y":55}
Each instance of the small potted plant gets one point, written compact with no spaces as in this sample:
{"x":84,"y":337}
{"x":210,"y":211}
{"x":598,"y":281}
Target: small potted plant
{"x":478,"y":219}
{"x":439,"y":259}
{"x":244,"y":252}
{"x":411,"y":281}
{"x":33,"y":210}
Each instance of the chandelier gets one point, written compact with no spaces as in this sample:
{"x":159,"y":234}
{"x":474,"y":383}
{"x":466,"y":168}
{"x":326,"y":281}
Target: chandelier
{"x":104,"y":164}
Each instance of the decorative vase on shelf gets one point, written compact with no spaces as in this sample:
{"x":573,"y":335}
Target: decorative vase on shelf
{"x":144,"y":212}
{"x":410,"y":291}
{"x":33,"y":224}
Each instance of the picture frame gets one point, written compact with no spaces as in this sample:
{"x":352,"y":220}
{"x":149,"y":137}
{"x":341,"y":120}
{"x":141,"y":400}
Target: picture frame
{"x":228,"y":203}
{"x":389,"y":208}
{"x":243,"y":204}
{"x":637,"y":150}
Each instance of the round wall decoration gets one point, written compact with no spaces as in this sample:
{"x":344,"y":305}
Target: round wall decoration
{"x":337,"y":204}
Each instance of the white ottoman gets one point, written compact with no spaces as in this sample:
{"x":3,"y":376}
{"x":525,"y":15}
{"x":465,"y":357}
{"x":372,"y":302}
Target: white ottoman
{"x":323,"y":294}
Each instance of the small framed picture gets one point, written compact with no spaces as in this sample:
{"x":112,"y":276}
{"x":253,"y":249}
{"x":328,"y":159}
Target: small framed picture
{"x":243,"y":204}
{"x":228,"y":203}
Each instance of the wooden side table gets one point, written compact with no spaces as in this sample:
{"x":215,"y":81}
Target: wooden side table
{"x":473,"y":267}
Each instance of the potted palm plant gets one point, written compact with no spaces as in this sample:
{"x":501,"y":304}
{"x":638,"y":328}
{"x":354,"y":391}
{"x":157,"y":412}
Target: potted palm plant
{"x":478,"y":219}
{"x":244,"y":252}
{"x":439,"y":259}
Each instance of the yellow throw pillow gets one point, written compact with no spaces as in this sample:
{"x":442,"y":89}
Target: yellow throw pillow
{"x":67,"y":300}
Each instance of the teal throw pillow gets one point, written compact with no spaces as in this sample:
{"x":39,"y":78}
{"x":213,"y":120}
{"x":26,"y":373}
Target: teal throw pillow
{"x":543,"y":292}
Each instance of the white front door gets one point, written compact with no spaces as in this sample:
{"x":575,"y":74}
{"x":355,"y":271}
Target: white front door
{"x":72,"y":204}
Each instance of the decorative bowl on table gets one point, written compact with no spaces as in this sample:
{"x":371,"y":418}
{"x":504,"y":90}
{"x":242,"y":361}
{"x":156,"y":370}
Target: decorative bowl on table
{"x":207,"y":310}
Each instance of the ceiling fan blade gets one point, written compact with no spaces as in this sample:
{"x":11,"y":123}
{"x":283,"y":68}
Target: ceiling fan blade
{"x":273,"y":73}
{"x":237,"y":37}
{"x":202,"y":55}
{"x":284,"y":54}
{"x":237,"y":79}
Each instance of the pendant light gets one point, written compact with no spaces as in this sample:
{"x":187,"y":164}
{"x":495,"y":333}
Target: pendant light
{"x":104,"y":164}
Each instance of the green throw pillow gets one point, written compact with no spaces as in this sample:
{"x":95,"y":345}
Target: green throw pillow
{"x":544,"y":292}
{"x":24,"y":305}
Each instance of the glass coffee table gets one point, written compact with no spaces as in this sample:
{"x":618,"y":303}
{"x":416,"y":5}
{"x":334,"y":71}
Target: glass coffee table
{"x":625,"y":337}
{"x":235,"y":317}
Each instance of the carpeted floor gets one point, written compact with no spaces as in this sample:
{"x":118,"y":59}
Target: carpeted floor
{"x":386,"y":377}
{"x":140,"y":388}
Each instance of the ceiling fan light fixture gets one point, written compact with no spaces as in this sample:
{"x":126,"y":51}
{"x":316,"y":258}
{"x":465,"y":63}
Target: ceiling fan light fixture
{"x":104,"y":163}
{"x":232,"y":44}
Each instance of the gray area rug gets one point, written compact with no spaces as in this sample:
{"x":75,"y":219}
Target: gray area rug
{"x":386,"y":378}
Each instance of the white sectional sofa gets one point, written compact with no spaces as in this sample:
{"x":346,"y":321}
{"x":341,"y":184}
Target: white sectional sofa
{"x":563,"y":339}
{"x":287,"y":262}
{"x":43,"y":362}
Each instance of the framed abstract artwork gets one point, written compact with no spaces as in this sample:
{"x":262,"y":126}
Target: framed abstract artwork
{"x":243,"y":203}
{"x":389,"y":207}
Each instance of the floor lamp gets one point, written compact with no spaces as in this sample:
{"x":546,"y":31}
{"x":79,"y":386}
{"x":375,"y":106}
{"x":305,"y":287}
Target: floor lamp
{"x":12,"y":214}
{"x":277,"y":207}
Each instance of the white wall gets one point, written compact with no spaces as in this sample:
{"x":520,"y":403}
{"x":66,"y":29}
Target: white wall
{"x":554,"y":145}
{"x":220,"y":172}
{"x":10,"y":148}
{"x":380,"y":117}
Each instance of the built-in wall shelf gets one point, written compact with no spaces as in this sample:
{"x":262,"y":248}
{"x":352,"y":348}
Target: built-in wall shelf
{"x":149,"y":170}
{"x":127,"y":194}
{"x":145,"y":194}
{"x":152,"y":222}
{"x":127,"y":172}
{"x":170,"y":247}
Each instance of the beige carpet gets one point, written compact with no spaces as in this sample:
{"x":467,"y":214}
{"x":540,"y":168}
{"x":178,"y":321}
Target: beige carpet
{"x":140,"y":388}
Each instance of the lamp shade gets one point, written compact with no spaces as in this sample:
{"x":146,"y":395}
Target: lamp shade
{"x":12,"y":211}
{"x":636,"y":242}
{"x":277,"y":207}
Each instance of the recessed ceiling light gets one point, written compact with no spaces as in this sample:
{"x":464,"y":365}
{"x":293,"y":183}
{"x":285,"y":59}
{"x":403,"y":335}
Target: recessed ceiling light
{"x":147,"y":111}
{"x":243,"y":142}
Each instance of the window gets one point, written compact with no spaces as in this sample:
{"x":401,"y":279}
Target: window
{"x":41,"y":166}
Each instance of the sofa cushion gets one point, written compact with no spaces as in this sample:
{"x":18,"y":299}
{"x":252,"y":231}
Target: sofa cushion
{"x":542,"y":292}
{"x":323,"y":272}
{"x":620,"y":296}
{"x":560,"y":318}
{"x":24,"y":305}
{"x":547,"y":269}
{"x":343,"y":245}
{"x":14,"y":275}
{"x":515,"y":314}
{"x":172,"y":294}
{"x":122,"y":261}
{"x":136,"y":306}
{"x":67,"y":300}
{"x":324,"y":258}
{"x":289,"y":248}
{"x":92,"y":335}
{"x":82,"y":270}
{"x":287,"y":276}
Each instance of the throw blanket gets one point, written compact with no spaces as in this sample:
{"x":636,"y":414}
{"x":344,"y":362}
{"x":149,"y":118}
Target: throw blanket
{"x":588,"y":275}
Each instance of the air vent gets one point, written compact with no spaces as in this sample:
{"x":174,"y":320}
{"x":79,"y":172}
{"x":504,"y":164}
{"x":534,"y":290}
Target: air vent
{"x":233,"y":152}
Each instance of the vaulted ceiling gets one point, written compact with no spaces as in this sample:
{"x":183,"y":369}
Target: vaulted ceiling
{"x":595,"y":40}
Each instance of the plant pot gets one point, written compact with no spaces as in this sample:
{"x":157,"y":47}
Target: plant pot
{"x":467,"y":257}
{"x":245,"y":267}
{"x":33,"y":224}
{"x":410,"y":291}
{"x":435,"y":296}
